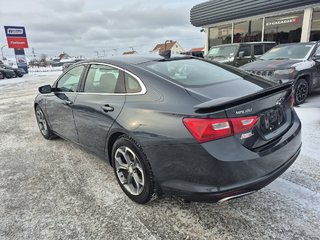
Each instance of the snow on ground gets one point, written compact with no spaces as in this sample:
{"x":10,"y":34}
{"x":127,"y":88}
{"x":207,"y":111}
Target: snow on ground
{"x":44,"y":69}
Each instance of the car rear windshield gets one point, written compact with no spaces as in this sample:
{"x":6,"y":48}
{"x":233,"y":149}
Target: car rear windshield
{"x":292,"y":51}
{"x":192,"y":72}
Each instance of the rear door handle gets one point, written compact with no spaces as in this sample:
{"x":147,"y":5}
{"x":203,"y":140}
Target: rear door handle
{"x":67,"y":102}
{"x":107,"y":108}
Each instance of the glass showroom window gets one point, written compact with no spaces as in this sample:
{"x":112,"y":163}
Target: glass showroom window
{"x":220,"y":35}
{"x":315,"y":26}
{"x":249,"y":31}
{"x":284,"y":28}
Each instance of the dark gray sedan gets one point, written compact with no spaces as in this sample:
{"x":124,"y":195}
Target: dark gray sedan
{"x":183,"y":126}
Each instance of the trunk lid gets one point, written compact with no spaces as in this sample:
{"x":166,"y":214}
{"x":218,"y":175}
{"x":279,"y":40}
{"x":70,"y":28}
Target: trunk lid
{"x":272,"y":106}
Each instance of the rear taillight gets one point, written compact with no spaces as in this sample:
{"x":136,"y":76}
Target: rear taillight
{"x":243,"y":124}
{"x":292,"y":100}
{"x":208,"y":129}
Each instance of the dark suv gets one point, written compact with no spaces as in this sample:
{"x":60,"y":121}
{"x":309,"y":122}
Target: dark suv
{"x":18,"y":71}
{"x":7,"y":72}
{"x":238,"y":54}
{"x":298,"y":63}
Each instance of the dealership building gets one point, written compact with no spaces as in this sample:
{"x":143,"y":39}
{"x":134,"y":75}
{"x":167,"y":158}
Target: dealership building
{"x":234,"y":21}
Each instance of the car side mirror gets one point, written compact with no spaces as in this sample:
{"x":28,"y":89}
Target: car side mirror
{"x":45,"y":89}
{"x":241,"y":55}
{"x":316,"y":57}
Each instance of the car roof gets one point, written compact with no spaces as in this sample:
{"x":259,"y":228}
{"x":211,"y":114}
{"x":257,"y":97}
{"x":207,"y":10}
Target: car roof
{"x":297,"y":43}
{"x":130,"y":59}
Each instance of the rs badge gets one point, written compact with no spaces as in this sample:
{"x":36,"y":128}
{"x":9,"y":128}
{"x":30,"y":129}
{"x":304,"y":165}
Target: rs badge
{"x":246,"y":135}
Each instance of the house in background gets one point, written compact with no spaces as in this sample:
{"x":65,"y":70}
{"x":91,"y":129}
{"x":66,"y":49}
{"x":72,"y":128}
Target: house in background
{"x":64,"y":56}
{"x":171,"y":45}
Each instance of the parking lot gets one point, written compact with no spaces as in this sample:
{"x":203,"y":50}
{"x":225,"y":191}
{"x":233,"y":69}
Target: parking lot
{"x":57,"y":190}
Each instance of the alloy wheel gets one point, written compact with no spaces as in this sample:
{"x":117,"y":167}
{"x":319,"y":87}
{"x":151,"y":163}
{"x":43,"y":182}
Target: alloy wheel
{"x":42,"y":123}
{"x":301,"y":91}
{"x":129,"y":170}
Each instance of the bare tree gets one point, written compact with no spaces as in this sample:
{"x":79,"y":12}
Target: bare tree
{"x":43,"y":60}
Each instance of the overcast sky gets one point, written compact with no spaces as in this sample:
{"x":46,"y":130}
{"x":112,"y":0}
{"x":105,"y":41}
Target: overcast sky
{"x":82,"y":27}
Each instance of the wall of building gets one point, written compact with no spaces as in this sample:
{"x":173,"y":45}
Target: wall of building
{"x":291,"y":25}
{"x":177,"y":49}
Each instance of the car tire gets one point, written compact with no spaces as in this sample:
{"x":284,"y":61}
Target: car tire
{"x":301,"y":91}
{"x":43,"y":125}
{"x":8,"y":76}
{"x":133,"y":171}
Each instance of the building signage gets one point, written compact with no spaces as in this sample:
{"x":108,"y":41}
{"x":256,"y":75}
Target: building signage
{"x":16,"y":37}
{"x":284,"y":21}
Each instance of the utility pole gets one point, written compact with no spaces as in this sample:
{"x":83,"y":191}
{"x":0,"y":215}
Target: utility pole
{"x":33,"y":53}
{"x":3,"y":58}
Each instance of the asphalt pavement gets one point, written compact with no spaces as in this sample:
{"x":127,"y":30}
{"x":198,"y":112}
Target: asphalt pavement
{"x":57,"y":190}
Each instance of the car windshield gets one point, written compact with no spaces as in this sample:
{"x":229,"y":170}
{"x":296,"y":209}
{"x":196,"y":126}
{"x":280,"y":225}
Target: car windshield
{"x":222,"y":51}
{"x":192,"y":72}
{"x":292,"y":51}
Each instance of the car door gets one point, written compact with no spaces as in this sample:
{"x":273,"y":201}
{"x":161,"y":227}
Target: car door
{"x":247,"y":56}
{"x":60,"y":103}
{"x":257,"y":51}
{"x":98,"y":105}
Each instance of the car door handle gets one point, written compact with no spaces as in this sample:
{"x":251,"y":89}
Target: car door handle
{"x":67,"y":102}
{"x":107,"y":108}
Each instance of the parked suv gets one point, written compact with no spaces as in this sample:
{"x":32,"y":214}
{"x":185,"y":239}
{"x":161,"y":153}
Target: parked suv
{"x":298,"y":63}
{"x":238,"y":54}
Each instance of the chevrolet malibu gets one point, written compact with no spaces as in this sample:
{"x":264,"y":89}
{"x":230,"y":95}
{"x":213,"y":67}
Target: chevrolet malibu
{"x":179,"y":126}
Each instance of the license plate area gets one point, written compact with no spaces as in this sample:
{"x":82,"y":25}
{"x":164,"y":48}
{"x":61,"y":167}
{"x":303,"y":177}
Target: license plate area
{"x":272,"y":119}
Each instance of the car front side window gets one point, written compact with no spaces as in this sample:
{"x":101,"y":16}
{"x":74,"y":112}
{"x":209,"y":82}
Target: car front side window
{"x":70,"y":80}
{"x":246,"y":50}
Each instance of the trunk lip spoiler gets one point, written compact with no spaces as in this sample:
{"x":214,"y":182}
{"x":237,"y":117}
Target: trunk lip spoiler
{"x":226,"y":102}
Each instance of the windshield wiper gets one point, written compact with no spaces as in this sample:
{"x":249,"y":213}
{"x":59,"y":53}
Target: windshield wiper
{"x":279,"y":58}
{"x":219,"y":56}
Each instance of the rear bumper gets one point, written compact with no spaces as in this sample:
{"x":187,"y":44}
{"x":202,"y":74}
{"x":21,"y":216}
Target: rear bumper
{"x":221,"y":169}
{"x":232,"y":192}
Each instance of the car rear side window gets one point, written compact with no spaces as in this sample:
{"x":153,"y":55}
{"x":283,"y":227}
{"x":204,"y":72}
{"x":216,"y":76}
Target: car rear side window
{"x":104,"y":79}
{"x":70,"y":80}
{"x":132,"y":84}
{"x":192,"y":72}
